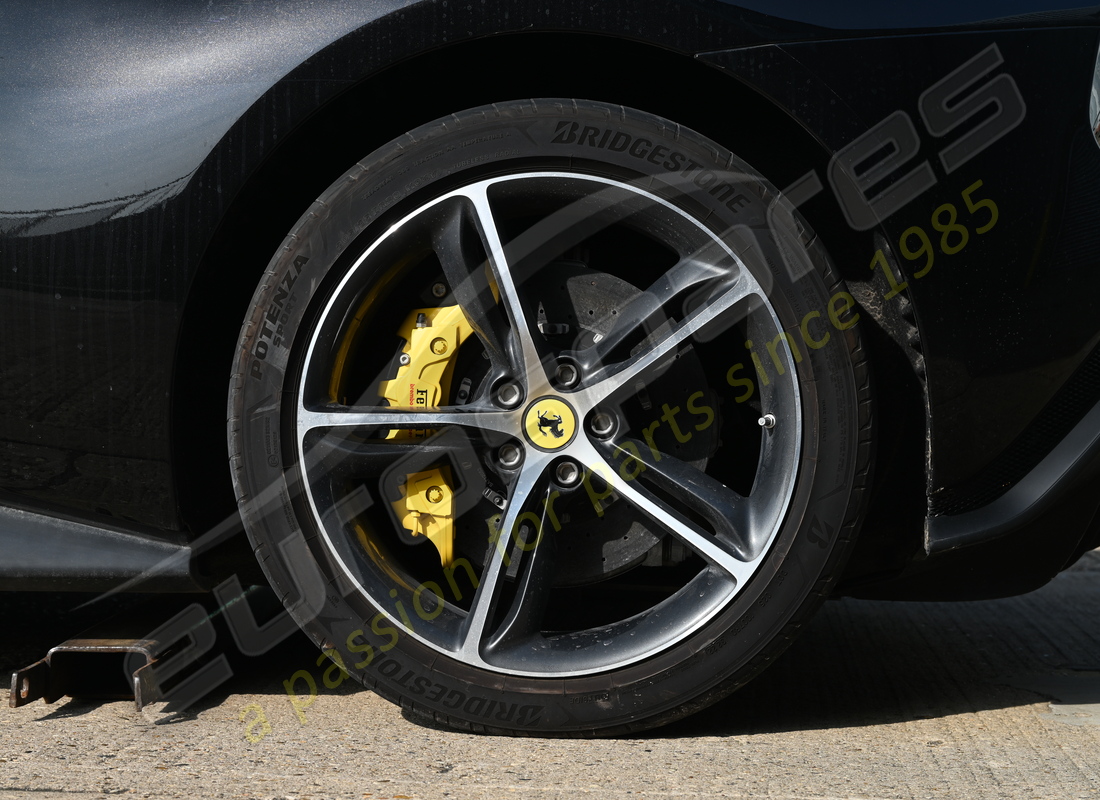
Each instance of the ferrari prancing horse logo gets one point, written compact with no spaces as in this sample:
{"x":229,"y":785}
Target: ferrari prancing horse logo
{"x":549,"y":423}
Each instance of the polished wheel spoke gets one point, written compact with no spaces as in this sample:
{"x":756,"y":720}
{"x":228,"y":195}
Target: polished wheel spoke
{"x":477,"y":624}
{"x":531,"y":363}
{"x":729,"y":513}
{"x":702,"y":542}
{"x":615,"y":376}
{"x":534,"y":581}
{"x":391,"y":418}
{"x":457,"y":245}
{"x":372,"y":456}
{"x":646,"y":308}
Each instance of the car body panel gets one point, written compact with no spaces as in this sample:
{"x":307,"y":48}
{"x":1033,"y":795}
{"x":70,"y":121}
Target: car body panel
{"x":868,"y":15}
{"x":1006,"y":320}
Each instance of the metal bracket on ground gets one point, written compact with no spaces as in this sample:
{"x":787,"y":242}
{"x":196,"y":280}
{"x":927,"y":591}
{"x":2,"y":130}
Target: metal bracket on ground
{"x":88,"y":668}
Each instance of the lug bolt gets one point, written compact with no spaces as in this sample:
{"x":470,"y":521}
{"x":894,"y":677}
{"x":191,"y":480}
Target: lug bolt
{"x":767,"y":421}
{"x":439,"y":346}
{"x":439,"y":289}
{"x":434,"y":494}
{"x":567,"y":375}
{"x":602,"y":424}
{"x":567,"y":473}
{"x":509,"y":395}
{"x":509,"y":456}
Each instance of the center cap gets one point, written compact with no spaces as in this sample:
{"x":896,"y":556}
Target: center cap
{"x":549,"y":423}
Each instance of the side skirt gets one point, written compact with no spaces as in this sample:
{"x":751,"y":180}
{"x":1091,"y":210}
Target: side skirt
{"x":42,"y":553}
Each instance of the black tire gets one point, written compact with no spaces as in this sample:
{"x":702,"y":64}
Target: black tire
{"x":730,"y":511}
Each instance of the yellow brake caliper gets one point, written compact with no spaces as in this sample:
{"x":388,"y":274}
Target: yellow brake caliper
{"x":427,"y":509}
{"x":432,"y":338}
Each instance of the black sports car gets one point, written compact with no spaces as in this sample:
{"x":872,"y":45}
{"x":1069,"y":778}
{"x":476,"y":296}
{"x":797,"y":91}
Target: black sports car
{"x":619,"y":337}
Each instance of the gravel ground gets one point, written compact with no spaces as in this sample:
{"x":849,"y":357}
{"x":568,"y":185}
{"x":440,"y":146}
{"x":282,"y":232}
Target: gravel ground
{"x":997,"y":699}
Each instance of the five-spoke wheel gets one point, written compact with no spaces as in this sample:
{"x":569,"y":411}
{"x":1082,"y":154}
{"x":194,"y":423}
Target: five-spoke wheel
{"x":539,"y":415}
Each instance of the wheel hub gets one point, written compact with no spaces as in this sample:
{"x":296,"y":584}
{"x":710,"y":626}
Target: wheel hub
{"x":549,"y":424}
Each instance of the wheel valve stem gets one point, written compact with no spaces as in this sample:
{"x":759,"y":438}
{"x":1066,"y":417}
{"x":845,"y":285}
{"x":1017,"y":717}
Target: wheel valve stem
{"x":767,"y":421}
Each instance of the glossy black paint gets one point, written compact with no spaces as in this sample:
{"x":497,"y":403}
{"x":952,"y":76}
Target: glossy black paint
{"x":1004,"y":322}
{"x":869,"y":15}
{"x":130,"y":196}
